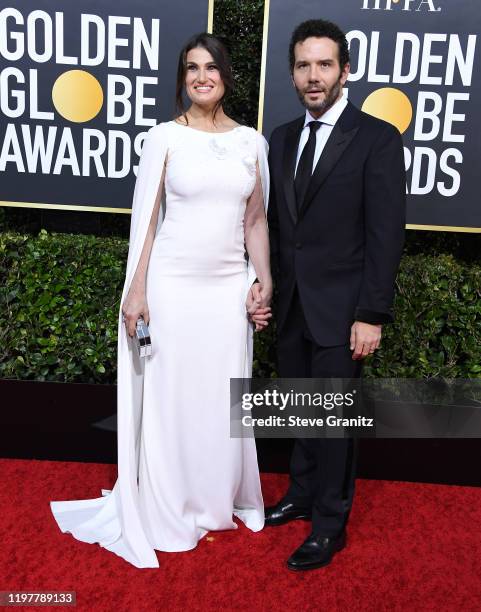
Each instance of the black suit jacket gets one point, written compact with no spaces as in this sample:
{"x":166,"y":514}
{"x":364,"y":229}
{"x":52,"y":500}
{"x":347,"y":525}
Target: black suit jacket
{"x":344,"y":247}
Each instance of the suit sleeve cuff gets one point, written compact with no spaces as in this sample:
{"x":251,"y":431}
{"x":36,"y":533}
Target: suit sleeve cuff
{"x":373,"y":317}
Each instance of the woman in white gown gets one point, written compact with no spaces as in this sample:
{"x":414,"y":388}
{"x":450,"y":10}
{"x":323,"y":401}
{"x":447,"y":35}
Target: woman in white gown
{"x":198,"y":205}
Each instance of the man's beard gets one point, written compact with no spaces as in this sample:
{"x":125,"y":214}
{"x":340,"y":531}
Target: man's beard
{"x":330,"y":97}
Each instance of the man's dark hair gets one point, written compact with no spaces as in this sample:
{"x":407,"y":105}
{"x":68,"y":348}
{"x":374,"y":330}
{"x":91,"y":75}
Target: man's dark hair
{"x":319,"y":28}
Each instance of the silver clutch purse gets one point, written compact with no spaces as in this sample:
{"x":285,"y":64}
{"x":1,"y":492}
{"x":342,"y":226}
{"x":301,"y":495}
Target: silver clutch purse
{"x":142,"y":338}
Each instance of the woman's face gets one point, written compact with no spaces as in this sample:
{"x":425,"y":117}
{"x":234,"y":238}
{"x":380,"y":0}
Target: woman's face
{"x":203,"y":82}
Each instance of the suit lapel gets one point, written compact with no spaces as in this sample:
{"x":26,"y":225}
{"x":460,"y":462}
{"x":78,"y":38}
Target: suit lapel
{"x":340,"y":138}
{"x":289,"y":164}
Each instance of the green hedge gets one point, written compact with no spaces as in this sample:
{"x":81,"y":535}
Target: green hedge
{"x":437,"y":331}
{"x":60,"y":297}
{"x":58,"y":306}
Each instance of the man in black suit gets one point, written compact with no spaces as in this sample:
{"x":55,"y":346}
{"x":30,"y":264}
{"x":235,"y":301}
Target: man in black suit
{"x":336,"y":223}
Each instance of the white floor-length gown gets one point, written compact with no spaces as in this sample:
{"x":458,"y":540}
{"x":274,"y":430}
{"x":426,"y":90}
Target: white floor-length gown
{"x":180,"y":474}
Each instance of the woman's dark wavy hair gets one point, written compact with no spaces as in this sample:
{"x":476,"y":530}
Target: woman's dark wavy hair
{"x":216,"y":47}
{"x":319,"y":28}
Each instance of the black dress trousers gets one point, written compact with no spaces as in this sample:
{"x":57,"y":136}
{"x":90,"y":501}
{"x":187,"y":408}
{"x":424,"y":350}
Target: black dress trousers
{"x":322,"y":471}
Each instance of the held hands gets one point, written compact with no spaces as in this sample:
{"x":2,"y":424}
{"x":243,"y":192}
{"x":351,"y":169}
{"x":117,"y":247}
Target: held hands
{"x":257,"y":304}
{"x":365,"y":339}
{"x":135,"y":305}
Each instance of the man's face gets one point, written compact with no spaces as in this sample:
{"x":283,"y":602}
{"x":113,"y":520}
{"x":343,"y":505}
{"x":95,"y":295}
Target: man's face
{"x":317,"y":74}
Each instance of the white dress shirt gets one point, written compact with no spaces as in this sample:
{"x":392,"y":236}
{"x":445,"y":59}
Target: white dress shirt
{"x":328,"y":120}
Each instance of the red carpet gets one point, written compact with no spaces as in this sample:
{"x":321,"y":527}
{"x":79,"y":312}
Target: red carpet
{"x":410,"y":547}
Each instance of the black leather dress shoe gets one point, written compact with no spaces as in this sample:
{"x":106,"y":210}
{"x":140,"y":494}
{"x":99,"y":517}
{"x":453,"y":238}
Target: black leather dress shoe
{"x":316,"y":551}
{"x":284,"y":512}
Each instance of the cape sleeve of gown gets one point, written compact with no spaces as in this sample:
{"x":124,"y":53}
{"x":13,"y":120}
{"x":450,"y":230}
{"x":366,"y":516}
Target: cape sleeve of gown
{"x":114,"y":520}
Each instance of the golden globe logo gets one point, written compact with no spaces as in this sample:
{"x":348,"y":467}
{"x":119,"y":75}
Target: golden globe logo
{"x":114,"y":79}
{"x":438,"y":68}
{"x":405,"y":5}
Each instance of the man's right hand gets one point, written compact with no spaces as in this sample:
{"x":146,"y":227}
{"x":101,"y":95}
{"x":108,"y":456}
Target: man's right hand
{"x":257,"y":305}
{"x":261,"y":317}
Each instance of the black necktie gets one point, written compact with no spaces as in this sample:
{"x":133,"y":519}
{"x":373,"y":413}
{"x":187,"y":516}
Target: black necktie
{"x":304,"y":167}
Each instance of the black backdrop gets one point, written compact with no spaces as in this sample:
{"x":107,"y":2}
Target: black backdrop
{"x":441,"y":66}
{"x":142,"y":95}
